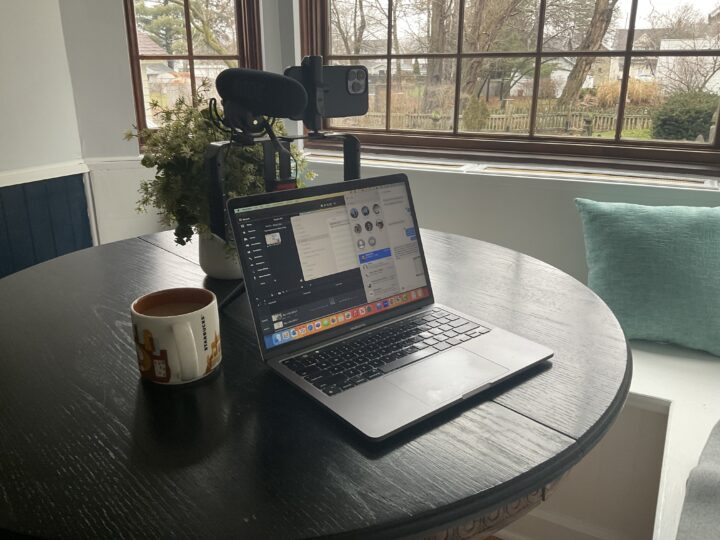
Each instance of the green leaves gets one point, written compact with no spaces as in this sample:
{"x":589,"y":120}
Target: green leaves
{"x":685,"y":116}
{"x":176,"y":151}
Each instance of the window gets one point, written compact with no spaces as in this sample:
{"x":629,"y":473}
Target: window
{"x":175,"y":45}
{"x":602,"y":78}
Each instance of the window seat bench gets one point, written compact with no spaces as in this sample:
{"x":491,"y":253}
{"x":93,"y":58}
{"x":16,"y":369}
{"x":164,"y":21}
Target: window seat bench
{"x":689,"y":382}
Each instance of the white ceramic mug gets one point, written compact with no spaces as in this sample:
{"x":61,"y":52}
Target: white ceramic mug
{"x":176,"y":334}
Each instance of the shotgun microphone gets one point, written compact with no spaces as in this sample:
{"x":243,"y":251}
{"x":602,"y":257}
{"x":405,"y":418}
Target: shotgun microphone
{"x":261,"y":93}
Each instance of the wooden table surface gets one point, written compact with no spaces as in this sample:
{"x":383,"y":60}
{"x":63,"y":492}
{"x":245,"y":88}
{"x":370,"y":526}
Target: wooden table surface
{"x":88,"y":451}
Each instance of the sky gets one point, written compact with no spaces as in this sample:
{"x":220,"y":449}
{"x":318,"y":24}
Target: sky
{"x":645,"y":8}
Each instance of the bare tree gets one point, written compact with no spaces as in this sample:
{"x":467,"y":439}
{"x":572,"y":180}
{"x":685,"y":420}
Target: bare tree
{"x":683,"y":22}
{"x":494,"y":25}
{"x":688,"y":74}
{"x":566,"y":23}
{"x":686,"y":28}
{"x":349,"y":24}
{"x":442,"y":18}
{"x":599,"y":24}
{"x":211,"y":22}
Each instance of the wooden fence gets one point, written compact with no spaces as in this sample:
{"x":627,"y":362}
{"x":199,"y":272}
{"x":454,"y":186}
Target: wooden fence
{"x":515,"y":121}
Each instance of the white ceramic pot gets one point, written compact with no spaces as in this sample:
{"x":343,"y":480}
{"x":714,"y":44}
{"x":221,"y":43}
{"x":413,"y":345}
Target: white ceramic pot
{"x":216,"y":260}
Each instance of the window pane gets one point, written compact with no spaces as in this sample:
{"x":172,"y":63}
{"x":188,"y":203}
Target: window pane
{"x":500,"y":25}
{"x":679,"y":102}
{"x":578,"y":97}
{"x":496,"y":95}
{"x":423,"y":94}
{"x":377,"y":97}
{"x":160,"y":28}
{"x":425,"y":27}
{"x":358,"y":27}
{"x":690,"y":24}
{"x":206,"y":71}
{"x":164,"y":81}
{"x":213,"y":26}
{"x":586,"y":25}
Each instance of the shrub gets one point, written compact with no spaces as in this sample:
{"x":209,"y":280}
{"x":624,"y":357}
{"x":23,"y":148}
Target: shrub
{"x":176,"y":153}
{"x":547,"y":90}
{"x":475,"y":115}
{"x":684,"y":116}
{"x":639,"y":93}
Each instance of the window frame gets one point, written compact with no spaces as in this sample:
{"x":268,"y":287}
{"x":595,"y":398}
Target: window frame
{"x":693,"y":158}
{"x":249,"y":54}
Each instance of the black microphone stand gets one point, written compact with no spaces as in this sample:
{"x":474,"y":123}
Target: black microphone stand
{"x":274,"y":150}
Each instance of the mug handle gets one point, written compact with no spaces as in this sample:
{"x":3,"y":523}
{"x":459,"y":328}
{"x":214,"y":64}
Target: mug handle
{"x":187,"y":351}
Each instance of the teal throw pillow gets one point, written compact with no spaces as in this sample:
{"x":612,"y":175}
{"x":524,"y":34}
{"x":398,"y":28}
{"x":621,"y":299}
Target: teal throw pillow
{"x":658,"y":269}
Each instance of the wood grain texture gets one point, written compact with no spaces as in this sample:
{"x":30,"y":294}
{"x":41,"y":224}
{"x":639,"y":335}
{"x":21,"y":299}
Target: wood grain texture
{"x":167,"y":242}
{"x":87,"y":450}
{"x":535,"y":300}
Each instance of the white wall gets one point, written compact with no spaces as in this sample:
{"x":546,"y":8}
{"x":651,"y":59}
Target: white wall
{"x":281,"y":41}
{"x":99,"y":62}
{"x":281,"y":34}
{"x":39,"y":125}
{"x":98,"y":58}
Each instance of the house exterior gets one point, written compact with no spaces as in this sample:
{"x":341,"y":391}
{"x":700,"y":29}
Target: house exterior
{"x":687,"y":73}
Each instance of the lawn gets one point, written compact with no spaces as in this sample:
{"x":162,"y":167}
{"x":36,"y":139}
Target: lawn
{"x":626,"y":134}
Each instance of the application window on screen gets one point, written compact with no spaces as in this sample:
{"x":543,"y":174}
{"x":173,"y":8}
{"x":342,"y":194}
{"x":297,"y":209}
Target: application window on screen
{"x":324,"y":262}
{"x":323,"y":242}
{"x":384,"y":240}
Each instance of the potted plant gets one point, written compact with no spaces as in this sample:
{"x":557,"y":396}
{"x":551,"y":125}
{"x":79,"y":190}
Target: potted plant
{"x":179,"y":189}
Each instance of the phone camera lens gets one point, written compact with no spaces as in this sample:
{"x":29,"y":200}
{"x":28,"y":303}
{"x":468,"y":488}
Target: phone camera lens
{"x":357,"y":88}
{"x":352,"y":75}
{"x":360,"y":75}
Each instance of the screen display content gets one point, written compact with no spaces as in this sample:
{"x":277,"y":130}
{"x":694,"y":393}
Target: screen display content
{"x":321,"y":262}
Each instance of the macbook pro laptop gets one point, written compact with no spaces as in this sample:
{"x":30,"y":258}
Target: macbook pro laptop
{"x":343,"y":307}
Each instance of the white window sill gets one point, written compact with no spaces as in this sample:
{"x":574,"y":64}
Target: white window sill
{"x":518,"y":169}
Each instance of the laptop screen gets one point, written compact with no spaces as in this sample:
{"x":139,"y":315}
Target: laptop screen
{"x":329,"y":261}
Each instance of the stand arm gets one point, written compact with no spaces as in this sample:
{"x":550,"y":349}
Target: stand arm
{"x":351,"y":157}
{"x":216,"y":195}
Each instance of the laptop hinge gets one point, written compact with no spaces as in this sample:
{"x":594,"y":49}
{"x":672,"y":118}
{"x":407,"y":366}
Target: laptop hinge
{"x":351,"y":335}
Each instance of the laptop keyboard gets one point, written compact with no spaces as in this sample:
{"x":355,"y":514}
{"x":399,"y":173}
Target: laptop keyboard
{"x":346,"y":364}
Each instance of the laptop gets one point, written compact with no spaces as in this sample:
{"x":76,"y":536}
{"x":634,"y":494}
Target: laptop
{"x":343,"y":306}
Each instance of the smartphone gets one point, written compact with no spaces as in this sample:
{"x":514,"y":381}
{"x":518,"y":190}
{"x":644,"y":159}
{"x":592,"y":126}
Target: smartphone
{"x":344,"y":91}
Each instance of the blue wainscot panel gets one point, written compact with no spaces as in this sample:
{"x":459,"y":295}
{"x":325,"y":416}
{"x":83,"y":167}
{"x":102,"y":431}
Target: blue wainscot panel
{"x":42,"y":220}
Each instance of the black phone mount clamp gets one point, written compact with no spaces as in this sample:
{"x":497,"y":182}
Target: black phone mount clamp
{"x":246,"y":129}
{"x":313,"y":78}
{"x":275,"y":161}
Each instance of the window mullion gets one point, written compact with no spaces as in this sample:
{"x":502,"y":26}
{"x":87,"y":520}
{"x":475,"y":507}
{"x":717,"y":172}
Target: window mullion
{"x":241,"y":37}
{"x":388,"y":69}
{"x":191,"y":62}
{"x":554,"y":141}
{"x":135,"y":71}
{"x":538,"y":66}
{"x":458,"y":66}
{"x":625,"y":82}
{"x":247,"y":18}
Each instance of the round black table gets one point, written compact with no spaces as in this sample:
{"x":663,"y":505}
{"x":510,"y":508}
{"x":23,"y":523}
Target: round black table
{"x":88,"y":451}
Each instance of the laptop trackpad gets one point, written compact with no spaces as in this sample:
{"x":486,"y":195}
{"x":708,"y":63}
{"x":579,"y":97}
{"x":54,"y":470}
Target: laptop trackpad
{"x":446,"y":376}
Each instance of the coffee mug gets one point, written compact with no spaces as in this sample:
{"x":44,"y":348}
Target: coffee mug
{"x":176,"y":334}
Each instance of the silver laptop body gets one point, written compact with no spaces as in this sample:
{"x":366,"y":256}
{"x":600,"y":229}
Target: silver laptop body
{"x":332,"y":273}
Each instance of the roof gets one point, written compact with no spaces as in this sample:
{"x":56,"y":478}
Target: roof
{"x":148,"y":46}
{"x":646,"y":38}
{"x":714,"y":15}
